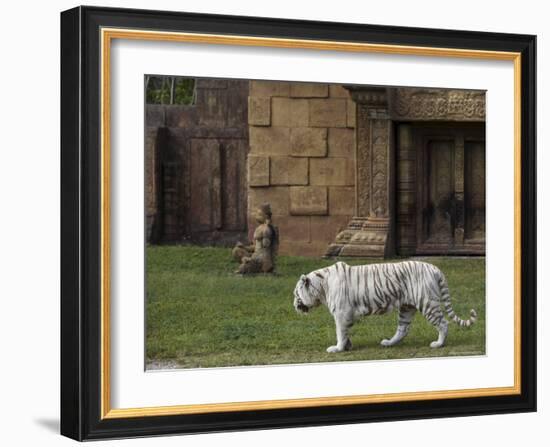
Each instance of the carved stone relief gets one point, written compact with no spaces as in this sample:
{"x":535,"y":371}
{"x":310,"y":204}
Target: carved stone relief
{"x":380,"y":153}
{"x":362,"y":162}
{"x":437,"y":104}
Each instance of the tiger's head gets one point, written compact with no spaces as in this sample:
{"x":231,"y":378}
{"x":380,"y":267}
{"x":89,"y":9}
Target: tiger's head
{"x":309,"y":292}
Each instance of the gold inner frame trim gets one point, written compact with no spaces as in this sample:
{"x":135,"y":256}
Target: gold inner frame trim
{"x":107,"y":35}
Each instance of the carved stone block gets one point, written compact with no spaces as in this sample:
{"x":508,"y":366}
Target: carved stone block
{"x":341,"y":143}
{"x":307,"y":142}
{"x":269,"y":88}
{"x":258,"y":170}
{"x":259,"y":111}
{"x":330,"y":112}
{"x":331,"y":171}
{"x":344,"y":236}
{"x":341,"y":201}
{"x":323,"y":228}
{"x":308,"y":200}
{"x":370,"y":240}
{"x":337,"y":91}
{"x":308,"y":90}
{"x":289,"y":112}
{"x":269,"y":140}
{"x":294,"y":228}
{"x":276,"y":196}
{"x":289,"y":171}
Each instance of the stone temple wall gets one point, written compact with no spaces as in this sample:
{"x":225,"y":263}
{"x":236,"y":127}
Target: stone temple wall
{"x":301,"y":161}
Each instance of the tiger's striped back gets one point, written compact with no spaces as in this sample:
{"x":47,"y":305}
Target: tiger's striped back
{"x":374,"y":289}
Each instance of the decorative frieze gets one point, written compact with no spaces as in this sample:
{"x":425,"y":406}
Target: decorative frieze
{"x":436,"y":104}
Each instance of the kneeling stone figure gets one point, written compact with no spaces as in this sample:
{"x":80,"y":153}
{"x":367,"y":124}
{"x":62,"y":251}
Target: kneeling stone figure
{"x":350,"y":292}
{"x":259,"y":257}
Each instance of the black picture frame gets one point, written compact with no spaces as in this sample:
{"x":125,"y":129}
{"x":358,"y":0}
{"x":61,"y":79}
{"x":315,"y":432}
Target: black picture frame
{"x":81,"y":223}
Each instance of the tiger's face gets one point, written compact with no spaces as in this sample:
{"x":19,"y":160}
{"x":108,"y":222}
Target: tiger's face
{"x":307,"y":294}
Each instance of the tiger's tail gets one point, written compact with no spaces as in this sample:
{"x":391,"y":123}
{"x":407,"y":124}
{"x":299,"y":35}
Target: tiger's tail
{"x":446,"y":299}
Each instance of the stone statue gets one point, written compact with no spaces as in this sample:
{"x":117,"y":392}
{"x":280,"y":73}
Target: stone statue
{"x":259,"y":257}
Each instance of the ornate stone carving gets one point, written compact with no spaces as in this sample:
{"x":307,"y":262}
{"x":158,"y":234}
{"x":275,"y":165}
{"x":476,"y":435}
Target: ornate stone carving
{"x":437,"y":104}
{"x":371,"y":96}
{"x":380,"y":153}
{"x":362,"y":162}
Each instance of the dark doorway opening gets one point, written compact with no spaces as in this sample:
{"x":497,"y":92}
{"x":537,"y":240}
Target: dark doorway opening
{"x":441,"y":189}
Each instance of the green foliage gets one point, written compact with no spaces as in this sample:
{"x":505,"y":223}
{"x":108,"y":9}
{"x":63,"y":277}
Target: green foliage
{"x":169,"y":90}
{"x":200,"y":314}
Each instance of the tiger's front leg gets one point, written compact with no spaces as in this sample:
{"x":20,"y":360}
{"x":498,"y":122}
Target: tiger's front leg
{"x":343,"y":343}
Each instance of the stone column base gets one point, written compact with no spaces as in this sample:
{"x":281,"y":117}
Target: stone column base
{"x":364,"y":237}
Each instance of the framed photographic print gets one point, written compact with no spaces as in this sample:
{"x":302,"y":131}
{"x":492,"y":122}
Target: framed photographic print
{"x":276,"y":223}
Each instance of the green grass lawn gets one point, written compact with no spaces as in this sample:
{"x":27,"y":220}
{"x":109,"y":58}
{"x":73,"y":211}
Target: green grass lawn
{"x":200,"y":314}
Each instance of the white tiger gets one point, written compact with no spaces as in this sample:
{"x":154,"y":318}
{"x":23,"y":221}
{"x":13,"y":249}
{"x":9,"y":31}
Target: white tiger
{"x":350,"y":292}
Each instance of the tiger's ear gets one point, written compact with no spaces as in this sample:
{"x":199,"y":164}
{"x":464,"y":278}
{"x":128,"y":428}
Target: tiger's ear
{"x":305,"y":280}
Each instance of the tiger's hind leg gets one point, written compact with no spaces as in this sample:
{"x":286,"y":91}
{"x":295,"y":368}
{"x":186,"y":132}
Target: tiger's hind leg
{"x":406,"y":315}
{"x":434,"y":315}
{"x":442,"y":329}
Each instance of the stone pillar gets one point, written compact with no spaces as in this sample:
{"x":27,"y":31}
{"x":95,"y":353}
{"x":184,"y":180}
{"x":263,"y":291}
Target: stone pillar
{"x":370,"y":232}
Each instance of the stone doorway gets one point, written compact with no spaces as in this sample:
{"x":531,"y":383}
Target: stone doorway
{"x":196,"y":156}
{"x":440,"y":188}
{"x":420,"y":173}
{"x":202,"y":190}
